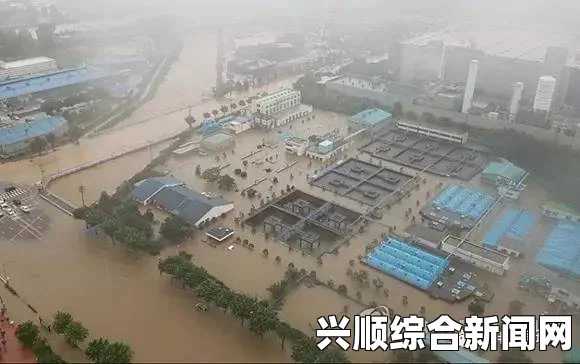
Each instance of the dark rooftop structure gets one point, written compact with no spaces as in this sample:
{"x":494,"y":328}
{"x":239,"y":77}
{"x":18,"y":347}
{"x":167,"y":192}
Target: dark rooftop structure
{"x":438,"y":157}
{"x":305,"y":221}
{"x":174,"y":197}
{"x":363,"y":181}
{"x":220,"y":233}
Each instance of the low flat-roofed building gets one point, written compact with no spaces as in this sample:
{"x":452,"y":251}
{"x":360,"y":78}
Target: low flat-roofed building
{"x":16,"y":139}
{"x":295,"y":145}
{"x":503,"y":173}
{"x":26,"y":67}
{"x":436,"y":132}
{"x":481,"y":257}
{"x":426,"y":235}
{"x":217,"y":141}
{"x":370,"y":119}
{"x":560,"y":212}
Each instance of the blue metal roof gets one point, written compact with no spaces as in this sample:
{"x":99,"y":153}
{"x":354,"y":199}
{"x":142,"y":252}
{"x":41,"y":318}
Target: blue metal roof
{"x":55,"y":80}
{"x":147,"y":188}
{"x":371,"y":116}
{"x":39,"y":127}
{"x":561,"y":250}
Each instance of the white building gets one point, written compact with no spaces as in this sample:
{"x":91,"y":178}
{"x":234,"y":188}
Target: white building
{"x":444,"y":134}
{"x":277,"y":102}
{"x":280,"y":108}
{"x":544,"y":93}
{"x":26,"y":67}
{"x":518,"y":89}
{"x":470,"y":86}
{"x":296,"y":146}
{"x":481,"y":257}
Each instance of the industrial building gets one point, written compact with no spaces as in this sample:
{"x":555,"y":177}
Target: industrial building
{"x":407,"y":263}
{"x":16,"y":139}
{"x":560,"y":212}
{"x":481,"y":257}
{"x":503,"y":173}
{"x":237,"y":124}
{"x":509,"y":234}
{"x":435,"y":132}
{"x":173,"y":196}
{"x":26,"y":67}
{"x":561,"y":250}
{"x":305,"y":221}
{"x":55,"y":80}
{"x":370,"y":119}
{"x":544,"y":94}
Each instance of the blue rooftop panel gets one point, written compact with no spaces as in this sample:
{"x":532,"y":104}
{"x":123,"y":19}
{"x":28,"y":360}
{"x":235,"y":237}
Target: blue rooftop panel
{"x":371,"y":117}
{"x":55,"y":80}
{"x":561,"y":250}
{"x":21,"y":132}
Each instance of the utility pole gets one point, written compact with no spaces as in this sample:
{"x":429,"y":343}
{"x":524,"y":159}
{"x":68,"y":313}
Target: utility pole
{"x":82,"y":192}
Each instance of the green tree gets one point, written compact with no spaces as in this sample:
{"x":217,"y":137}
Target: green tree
{"x":226,"y":182}
{"x":51,"y":139}
{"x":476,"y":307}
{"x":224,"y":109}
{"x":243,"y":306}
{"x":27,"y":334}
{"x":206,"y":115}
{"x":175,"y":229}
{"x":263,"y":320}
{"x":37,"y":145}
{"x":211,"y":174}
{"x":61,"y":320}
{"x":215,"y":112}
{"x":190,"y":120}
{"x":103,"y":351}
{"x":75,"y":333}
{"x":397,"y":111}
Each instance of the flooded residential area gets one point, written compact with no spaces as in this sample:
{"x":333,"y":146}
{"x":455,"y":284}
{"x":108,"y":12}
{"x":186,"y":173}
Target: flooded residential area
{"x":213,"y":189}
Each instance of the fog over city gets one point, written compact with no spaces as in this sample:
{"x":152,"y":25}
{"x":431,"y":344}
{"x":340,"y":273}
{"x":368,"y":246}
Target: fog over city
{"x":259,"y":180}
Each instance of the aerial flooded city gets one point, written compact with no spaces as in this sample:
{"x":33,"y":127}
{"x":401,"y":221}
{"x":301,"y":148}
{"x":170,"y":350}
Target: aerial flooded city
{"x":267,"y":181}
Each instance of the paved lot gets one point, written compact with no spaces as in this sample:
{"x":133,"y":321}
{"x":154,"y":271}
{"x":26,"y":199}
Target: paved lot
{"x":22,"y":226}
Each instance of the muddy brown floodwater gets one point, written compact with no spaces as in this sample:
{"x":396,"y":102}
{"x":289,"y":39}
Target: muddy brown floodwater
{"x":114,"y":294}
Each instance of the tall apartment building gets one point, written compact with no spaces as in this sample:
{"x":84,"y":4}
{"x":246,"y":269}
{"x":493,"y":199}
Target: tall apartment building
{"x":544,"y":93}
{"x":518,"y":90}
{"x":277,"y":102}
{"x":470,"y":86}
{"x":26,"y":67}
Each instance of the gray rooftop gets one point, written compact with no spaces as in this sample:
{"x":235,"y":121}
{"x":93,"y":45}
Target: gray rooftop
{"x":478,"y":250}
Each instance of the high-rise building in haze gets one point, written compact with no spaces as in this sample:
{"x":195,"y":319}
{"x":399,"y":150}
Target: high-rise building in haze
{"x":518,"y":90}
{"x":470,"y":86}
{"x":544,"y":93}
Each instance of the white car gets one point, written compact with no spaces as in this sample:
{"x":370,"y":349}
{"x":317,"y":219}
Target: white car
{"x":25,"y":208}
{"x":4,"y":205}
{"x":9,"y":211}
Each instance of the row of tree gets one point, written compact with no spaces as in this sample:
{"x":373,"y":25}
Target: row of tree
{"x":99,"y":350}
{"x":262,"y":318}
{"x":28,"y":334}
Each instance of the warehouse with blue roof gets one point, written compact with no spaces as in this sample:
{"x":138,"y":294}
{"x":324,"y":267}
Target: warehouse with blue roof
{"x":175,"y":197}
{"x":63,"y":78}
{"x":509,"y":234}
{"x":371,"y":119}
{"x":16,"y":139}
{"x":561,"y":250}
